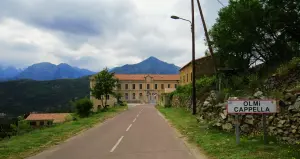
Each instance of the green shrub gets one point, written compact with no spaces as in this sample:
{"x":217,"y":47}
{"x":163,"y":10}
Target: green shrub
{"x":206,"y":81}
{"x":254,"y":81}
{"x":21,"y":127}
{"x":83,"y":107}
{"x":285,"y":68}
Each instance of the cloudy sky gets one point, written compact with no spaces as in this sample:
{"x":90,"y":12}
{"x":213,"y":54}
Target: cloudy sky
{"x":94,"y":34}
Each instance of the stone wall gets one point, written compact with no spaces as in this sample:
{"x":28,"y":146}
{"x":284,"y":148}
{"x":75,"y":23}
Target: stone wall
{"x":285,"y":125}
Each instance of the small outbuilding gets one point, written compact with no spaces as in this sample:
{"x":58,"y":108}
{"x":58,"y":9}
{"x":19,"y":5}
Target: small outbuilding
{"x":37,"y":119}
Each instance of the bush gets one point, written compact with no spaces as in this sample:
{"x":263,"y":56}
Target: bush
{"x":285,"y":68}
{"x":83,"y":107}
{"x":254,"y":81}
{"x":206,"y":81}
{"x":21,"y":127}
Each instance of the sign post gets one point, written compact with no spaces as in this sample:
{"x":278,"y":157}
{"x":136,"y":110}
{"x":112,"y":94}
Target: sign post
{"x":251,"y":107}
{"x":237,"y":129}
{"x":265,"y":129}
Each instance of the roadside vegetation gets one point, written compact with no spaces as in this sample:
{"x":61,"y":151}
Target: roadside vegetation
{"x":222,"y":145}
{"x":37,"y":140}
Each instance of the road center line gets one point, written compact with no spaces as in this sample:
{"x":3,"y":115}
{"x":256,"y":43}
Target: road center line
{"x":129,"y":127}
{"x":113,"y":149}
{"x":134,"y":120}
{"x":138,"y":115}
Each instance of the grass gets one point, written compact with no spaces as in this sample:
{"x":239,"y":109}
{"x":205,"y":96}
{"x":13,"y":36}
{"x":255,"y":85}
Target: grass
{"x":221,"y":145}
{"x":38,"y":140}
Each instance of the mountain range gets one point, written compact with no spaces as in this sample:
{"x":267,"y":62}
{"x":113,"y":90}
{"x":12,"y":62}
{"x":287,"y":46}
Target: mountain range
{"x":43,"y":71}
{"x":48,"y":71}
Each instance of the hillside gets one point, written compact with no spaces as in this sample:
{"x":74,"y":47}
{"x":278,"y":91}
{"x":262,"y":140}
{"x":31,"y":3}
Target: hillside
{"x":23,"y":96}
{"x":151,"y":65}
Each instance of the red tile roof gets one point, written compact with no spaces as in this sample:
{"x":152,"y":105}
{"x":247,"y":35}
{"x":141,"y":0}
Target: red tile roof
{"x":56,"y":117}
{"x":140,"y":77}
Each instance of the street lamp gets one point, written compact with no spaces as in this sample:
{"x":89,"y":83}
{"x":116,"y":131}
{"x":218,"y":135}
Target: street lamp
{"x":175,"y":17}
{"x":193,"y":57}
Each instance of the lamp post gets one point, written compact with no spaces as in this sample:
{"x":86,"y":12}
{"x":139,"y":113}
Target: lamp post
{"x":193,"y":56}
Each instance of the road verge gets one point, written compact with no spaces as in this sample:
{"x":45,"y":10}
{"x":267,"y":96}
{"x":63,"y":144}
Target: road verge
{"x":217,"y":144}
{"x":38,"y":140}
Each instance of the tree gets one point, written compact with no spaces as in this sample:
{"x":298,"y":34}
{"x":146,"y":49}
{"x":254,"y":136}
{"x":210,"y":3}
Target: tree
{"x":104,"y":85}
{"x":248,"y":31}
{"x":118,"y":96}
{"x":83,"y":107}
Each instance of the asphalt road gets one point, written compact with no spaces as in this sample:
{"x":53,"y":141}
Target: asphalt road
{"x":139,"y":133}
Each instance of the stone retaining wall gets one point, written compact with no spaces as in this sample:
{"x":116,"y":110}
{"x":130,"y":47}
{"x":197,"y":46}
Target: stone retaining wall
{"x":285,"y":125}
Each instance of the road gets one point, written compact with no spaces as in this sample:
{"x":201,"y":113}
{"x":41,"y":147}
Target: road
{"x":139,"y":133}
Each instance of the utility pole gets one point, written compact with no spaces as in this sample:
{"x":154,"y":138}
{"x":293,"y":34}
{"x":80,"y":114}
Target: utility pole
{"x":207,"y":36}
{"x":193,"y":61}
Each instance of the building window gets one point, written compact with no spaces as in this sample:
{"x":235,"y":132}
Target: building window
{"x":175,"y":85}
{"x":126,"y":86}
{"x":141,"y":95}
{"x":169,"y":85}
{"x":183,"y":78}
{"x":133,"y":95}
{"x":42,"y":123}
{"x":119,"y":86}
{"x":162,"y":86}
{"x":141,"y":86}
{"x":126,"y":96}
{"x":133,"y":86}
{"x":148,"y":86}
{"x":155,"y":86}
{"x":187,"y":77}
{"x":107,"y":97}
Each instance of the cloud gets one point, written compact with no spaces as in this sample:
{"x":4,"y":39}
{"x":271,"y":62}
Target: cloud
{"x":94,"y":34}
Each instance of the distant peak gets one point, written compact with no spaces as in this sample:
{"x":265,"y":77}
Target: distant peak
{"x":43,"y":64}
{"x":63,"y":64}
{"x":152,"y":58}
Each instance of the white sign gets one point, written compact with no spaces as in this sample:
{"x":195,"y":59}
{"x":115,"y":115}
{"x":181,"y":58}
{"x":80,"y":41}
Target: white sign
{"x":251,"y":106}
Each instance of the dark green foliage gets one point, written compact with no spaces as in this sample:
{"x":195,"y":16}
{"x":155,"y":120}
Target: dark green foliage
{"x":83,"y":107}
{"x":203,"y":85}
{"x":21,"y":127}
{"x":118,"y":96}
{"x":104,"y":85}
{"x":248,"y":31}
{"x":24,"y":96}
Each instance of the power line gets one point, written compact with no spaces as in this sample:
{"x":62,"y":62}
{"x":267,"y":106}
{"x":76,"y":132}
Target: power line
{"x":221,"y":3}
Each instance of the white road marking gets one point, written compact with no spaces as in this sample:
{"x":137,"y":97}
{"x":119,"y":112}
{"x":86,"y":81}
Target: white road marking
{"x":129,"y":127}
{"x":113,"y":149}
{"x":141,"y":111}
{"x":138,"y":115}
{"x":134,"y":120}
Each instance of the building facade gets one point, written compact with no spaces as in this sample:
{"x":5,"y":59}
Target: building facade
{"x":204,"y":67}
{"x":139,"y":88}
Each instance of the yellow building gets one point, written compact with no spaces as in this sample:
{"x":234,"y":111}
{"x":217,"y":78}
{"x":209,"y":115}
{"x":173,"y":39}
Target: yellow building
{"x":140,"y":88}
{"x":204,"y":66}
